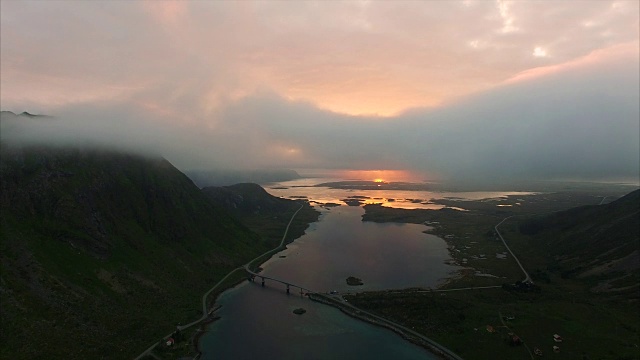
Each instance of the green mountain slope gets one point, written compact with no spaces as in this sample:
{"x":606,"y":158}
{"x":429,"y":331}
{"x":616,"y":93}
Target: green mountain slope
{"x":204,"y":178}
{"x":101,"y":252}
{"x":246,"y":199}
{"x":600,"y":242}
{"x":261,"y":212}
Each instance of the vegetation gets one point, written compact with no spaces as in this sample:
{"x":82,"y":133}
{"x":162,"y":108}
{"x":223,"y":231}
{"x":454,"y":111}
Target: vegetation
{"x":299,"y":311}
{"x":594,"y":307}
{"x":262,"y":213}
{"x":103,"y":252}
{"x":354,"y":281}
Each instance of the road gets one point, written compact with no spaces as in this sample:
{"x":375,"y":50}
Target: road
{"x":279,"y":247}
{"x":527,"y":278}
{"x":243,"y":268}
{"x":247,"y":268}
{"x":356,"y":312}
{"x":509,"y":329}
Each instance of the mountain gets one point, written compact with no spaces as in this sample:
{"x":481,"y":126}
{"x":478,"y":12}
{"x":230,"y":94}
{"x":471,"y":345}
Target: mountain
{"x":247,"y":198}
{"x":5,"y":113}
{"x":204,"y":178}
{"x":262,"y":212}
{"x":101,"y":252}
{"x":601,"y":242}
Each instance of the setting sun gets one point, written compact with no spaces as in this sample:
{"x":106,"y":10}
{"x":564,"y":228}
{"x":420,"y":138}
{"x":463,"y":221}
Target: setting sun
{"x":381,"y":176}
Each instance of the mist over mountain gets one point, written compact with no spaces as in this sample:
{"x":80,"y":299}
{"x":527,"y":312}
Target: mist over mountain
{"x":578,"y":121}
{"x":450,"y":90}
{"x":593,"y":240}
{"x":102,"y":247}
{"x":222,"y":177}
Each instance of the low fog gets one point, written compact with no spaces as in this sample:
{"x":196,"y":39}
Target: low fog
{"x":578,"y":121}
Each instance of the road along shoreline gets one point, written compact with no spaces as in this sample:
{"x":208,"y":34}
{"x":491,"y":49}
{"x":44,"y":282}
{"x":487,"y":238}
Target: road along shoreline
{"x":207,"y":314}
{"x":370,"y":318}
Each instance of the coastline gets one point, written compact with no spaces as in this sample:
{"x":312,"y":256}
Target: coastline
{"x":223,"y":285}
{"x":407,"y":334}
{"x":420,"y":340}
{"x":203,"y":329}
{"x":264,"y":257}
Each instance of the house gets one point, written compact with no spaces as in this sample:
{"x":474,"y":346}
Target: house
{"x":556,"y":349}
{"x":557,"y":338}
{"x":170,"y":342}
{"x":515,"y":340}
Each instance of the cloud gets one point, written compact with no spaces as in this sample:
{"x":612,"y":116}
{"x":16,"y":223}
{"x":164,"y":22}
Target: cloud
{"x":299,"y":85}
{"x":348,"y":57}
{"x":577,"y":121}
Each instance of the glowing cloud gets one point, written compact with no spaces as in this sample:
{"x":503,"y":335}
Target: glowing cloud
{"x":539,"y":52}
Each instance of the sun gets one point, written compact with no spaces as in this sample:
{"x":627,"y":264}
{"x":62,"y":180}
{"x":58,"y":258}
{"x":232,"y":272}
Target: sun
{"x":378,"y":180}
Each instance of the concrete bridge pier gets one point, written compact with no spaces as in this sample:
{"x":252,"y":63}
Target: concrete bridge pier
{"x":262,"y":282}
{"x":287,"y":289}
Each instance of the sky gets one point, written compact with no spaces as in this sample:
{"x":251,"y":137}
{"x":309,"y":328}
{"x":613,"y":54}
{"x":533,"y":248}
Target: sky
{"x":447,"y":89}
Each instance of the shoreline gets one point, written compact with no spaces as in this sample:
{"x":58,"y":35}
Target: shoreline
{"x":348,"y":309}
{"x":407,"y":334}
{"x":219,"y":288}
{"x":282,"y":246}
{"x":203,"y":329}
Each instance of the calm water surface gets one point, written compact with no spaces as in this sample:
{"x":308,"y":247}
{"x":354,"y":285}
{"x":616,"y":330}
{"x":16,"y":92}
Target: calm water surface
{"x":258,"y":322}
{"x":406,"y":199}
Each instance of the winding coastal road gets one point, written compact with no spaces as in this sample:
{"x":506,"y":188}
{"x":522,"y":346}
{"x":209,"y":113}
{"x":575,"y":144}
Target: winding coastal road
{"x":405,"y":332}
{"x":336,"y":302}
{"x":527,"y":278}
{"x":244,"y":268}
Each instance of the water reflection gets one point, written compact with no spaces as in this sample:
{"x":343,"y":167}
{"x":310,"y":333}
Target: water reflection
{"x":405,"y":199}
{"x":259,"y":322}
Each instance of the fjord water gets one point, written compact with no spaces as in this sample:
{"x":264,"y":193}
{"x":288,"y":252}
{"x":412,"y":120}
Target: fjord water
{"x":258,"y":322}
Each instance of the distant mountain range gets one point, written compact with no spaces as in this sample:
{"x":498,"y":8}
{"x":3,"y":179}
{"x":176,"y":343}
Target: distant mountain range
{"x":103,"y":251}
{"x":24,"y":113}
{"x":204,"y":178}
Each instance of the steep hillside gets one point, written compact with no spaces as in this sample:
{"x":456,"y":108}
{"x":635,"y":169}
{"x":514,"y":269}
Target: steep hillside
{"x":246,"y":198}
{"x":204,"y":178}
{"x":103,"y":251}
{"x":594,"y":241}
{"x":261,"y":212}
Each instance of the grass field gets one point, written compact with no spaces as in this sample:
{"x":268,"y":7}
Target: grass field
{"x":594,"y":325}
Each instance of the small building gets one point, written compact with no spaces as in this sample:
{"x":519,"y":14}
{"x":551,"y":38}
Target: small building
{"x":170,"y":342}
{"x":515,"y":340}
{"x":557,"y":338}
{"x":556,"y":349}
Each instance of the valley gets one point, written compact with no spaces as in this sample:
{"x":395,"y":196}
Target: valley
{"x":102,"y":251}
{"x":101,"y":247}
{"x":580,"y":290}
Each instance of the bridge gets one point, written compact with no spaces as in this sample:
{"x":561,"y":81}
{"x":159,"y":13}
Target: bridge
{"x":253,"y":275}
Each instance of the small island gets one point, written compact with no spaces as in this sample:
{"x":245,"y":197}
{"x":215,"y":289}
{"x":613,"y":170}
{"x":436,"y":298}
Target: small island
{"x":354,"y":281}
{"x":299,"y":311}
